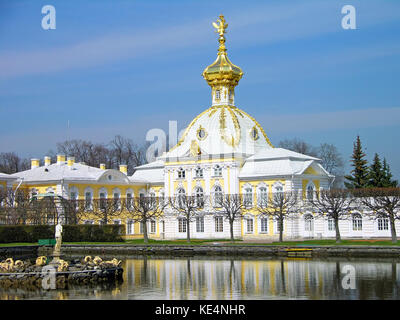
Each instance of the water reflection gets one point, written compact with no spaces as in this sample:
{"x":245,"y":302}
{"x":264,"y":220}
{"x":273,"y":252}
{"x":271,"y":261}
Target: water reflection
{"x":231,"y":279}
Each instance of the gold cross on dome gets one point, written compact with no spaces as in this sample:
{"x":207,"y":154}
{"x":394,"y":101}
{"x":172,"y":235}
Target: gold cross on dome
{"x":221,"y":26}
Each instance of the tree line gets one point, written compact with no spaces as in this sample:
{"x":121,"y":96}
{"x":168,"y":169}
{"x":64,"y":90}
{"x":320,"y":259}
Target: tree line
{"x":119,"y":150}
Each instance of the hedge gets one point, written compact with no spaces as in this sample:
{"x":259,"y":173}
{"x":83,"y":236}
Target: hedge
{"x":71,"y":233}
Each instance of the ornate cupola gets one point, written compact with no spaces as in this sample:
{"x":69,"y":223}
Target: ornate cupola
{"x":222,"y":75}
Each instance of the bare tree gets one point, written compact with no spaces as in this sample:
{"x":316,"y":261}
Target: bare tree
{"x":143,"y":209}
{"x":333,"y":204}
{"x":105,"y":209}
{"x":231,"y":208}
{"x":331,"y":159}
{"x":384,"y":203}
{"x":299,"y":146}
{"x":280,"y":208}
{"x":10,"y":163}
{"x":188,"y":207}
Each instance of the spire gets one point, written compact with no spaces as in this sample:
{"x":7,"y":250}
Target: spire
{"x":222,"y":75}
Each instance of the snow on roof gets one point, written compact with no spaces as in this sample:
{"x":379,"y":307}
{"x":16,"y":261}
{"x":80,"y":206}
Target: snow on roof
{"x":152,"y":172}
{"x":78,"y":171}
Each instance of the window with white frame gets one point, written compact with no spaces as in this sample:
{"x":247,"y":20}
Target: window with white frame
{"x":117,"y":202}
{"x":129,"y":202}
{"x":249,"y":225}
{"x":248,"y":196}
{"x":199,"y":224}
{"x":310,"y":191}
{"x":103,"y":200}
{"x":218,"y":94}
{"x":199,"y":197}
{"x":217,"y":171}
{"x":181,"y":173}
{"x":181,"y":198}
{"x":218,"y":196}
{"x":152,"y":226}
{"x":88,"y":222}
{"x":130,"y":226}
{"x":331,"y":224}
{"x":383,"y":224}
{"x":88,"y":200}
{"x":278,"y":228}
{"x":219,"y":224}
{"x":117,"y":221}
{"x":141,"y":227}
{"x":181,"y":225}
{"x":357,"y":222}
{"x":264,"y":224}
{"x":308,"y":222}
{"x":199,"y":172}
{"x":262,"y":196}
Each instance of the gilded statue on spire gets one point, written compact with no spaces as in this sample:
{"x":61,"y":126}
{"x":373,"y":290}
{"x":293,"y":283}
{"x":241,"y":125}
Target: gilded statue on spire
{"x":221,"y":27}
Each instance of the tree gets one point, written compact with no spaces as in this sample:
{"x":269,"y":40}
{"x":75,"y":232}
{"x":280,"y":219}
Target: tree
{"x":143,"y":209}
{"x":359,"y":177}
{"x":10,"y":163}
{"x":330,"y":157}
{"x":282,"y":206}
{"x":387,"y":176}
{"x":333,"y":204}
{"x":232,"y":206}
{"x":384,"y":203}
{"x":299,"y":146}
{"x":188,"y":207}
{"x":376,"y":173}
{"x":105,"y":209}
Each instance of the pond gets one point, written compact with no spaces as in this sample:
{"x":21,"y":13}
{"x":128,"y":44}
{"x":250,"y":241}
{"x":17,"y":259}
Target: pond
{"x":205,"y":278}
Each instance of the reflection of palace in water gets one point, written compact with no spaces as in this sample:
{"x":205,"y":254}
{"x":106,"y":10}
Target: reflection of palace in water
{"x":198,"y":278}
{"x":194,"y":278}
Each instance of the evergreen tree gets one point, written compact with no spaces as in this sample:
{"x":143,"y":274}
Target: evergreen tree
{"x":359,"y":177}
{"x":387,"y":176}
{"x":376,"y":174}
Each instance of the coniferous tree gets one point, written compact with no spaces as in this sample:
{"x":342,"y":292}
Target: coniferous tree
{"x":387,"y":176}
{"x":359,"y":177}
{"x":376,"y":174}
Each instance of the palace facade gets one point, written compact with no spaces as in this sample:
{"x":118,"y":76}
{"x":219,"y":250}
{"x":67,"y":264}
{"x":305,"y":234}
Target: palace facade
{"x":223,"y":150}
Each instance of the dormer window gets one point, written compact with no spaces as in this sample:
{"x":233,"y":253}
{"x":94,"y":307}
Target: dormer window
{"x":110,"y":177}
{"x":181,"y":173}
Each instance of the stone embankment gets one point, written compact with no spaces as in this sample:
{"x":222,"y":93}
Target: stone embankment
{"x":231,"y":250}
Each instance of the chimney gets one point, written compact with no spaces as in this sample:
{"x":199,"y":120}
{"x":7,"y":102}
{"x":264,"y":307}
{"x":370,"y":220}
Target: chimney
{"x":71,"y":161}
{"x":123,"y":168}
{"x":34,"y":163}
{"x":60,"y":159}
{"x":47,"y":161}
{"x":102,"y":166}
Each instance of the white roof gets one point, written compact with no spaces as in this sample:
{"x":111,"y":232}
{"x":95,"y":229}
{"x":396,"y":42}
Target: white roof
{"x":152,"y":172}
{"x":8,"y":177}
{"x":77,"y":172}
{"x":278,"y":162}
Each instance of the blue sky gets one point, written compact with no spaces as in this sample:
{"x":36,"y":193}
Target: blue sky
{"x":124,"y":67}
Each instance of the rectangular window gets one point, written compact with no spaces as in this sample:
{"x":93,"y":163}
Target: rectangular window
{"x":117,"y":221}
{"x":130,"y":227}
{"x":331,"y":224}
{"x":383,"y":224}
{"x":219,"y":225}
{"x":181,"y":225}
{"x":88,"y":201}
{"x":278,"y":228}
{"x":199,"y":224}
{"x":128,"y":200}
{"x":152,"y":226}
{"x":357,"y":224}
{"x":264,"y":225}
{"x":141,"y":227}
{"x":249,"y":225}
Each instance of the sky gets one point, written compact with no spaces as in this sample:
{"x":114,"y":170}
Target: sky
{"x":125,"y":67}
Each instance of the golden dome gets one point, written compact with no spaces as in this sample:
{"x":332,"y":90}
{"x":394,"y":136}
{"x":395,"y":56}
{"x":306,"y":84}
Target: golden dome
{"x":222,"y":71}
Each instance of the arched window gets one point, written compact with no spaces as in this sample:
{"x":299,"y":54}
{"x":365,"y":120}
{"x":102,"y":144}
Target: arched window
{"x":103,"y":198}
{"x":218,"y":196}
{"x":88,"y":199}
{"x":357,"y":222}
{"x":217,"y":171}
{"x":117,"y":199}
{"x":262,"y":198}
{"x":310,"y":191}
{"x":181,"y":173}
{"x":181,"y":197}
{"x":199,"y":197}
{"x":152,"y":199}
{"x":308,"y":222}
{"x":199,"y":172}
{"x":248,"y":196}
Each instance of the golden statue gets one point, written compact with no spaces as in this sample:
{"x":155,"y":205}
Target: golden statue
{"x":221,"y":27}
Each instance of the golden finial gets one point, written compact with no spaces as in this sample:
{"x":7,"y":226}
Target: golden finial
{"x":221,"y":27}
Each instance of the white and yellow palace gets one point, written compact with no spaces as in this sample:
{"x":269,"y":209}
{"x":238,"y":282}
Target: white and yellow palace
{"x":222,"y":151}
